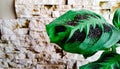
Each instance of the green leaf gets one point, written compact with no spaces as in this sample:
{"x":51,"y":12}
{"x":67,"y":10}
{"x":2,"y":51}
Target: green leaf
{"x":108,"y":60}
{"x":83,"y":32}
{"x":116,"y":18}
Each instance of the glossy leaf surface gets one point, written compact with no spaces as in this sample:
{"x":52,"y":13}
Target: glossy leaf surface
{"x":116,"y":18}
{"x":83,"y":32}
{"x":108,"y":60}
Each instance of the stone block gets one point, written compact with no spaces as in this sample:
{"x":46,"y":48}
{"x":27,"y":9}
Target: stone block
{"x":50,"y":66}
{"x":49,"y":2}
{"x":75,"y":2}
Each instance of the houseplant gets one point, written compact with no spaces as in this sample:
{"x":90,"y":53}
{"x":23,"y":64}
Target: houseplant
{"x":85,"y":32}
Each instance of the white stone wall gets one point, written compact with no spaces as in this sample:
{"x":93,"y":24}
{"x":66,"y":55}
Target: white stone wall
{"x":24,"y":43}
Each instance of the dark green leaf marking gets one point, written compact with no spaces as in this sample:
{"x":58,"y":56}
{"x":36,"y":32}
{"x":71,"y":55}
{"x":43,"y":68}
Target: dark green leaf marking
{"x":72,"y":23}
{"x":106,"y":28}
{"x":78,"y":36}
{"x":95,"y":32}
{"x":59,"y":29}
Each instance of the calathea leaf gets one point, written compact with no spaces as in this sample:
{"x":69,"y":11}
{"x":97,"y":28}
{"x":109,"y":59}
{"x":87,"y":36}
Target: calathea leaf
{"x":83,"y":32}
{"x":108,"y":60}
{"x":116,"y":18}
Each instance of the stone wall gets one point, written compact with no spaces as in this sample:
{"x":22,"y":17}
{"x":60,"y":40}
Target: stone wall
{"x":24,"y":43}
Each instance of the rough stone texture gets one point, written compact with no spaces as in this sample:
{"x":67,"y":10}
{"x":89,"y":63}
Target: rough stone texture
{"x":55,"y":8}
{"x":41,"y":2}
{"x":24,"y":43}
